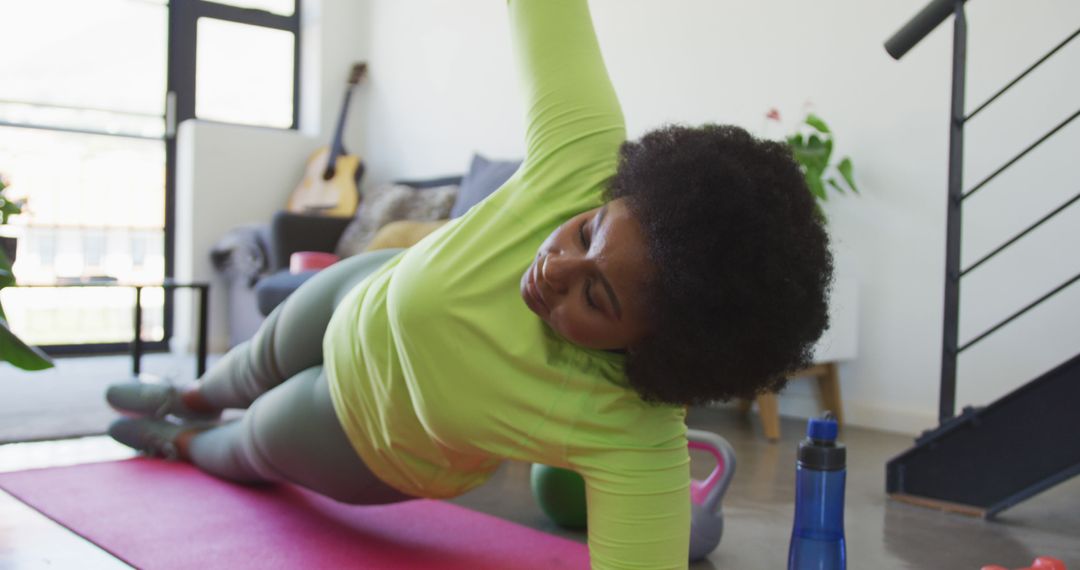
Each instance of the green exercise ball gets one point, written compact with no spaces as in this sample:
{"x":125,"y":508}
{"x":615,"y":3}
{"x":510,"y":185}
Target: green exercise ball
{"x":560,"y":494}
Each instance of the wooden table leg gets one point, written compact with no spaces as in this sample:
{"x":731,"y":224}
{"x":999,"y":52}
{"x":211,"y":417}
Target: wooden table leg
{"x":769,"y":410}
{"x":829,"y":387}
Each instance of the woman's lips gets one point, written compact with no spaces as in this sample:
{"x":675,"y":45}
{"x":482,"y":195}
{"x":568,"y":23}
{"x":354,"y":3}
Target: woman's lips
{"x":536,"y":290}
{"x":533,"y":297}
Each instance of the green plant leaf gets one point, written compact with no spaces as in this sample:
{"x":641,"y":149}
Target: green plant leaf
{"x":815,"y":147}
{"x":846,"y":170}
{"x":20,"y":354}
{"x":832,"y":182}
{"x":7,"y":278}
{"x":803,"y":157}
{"x":815,"y":156}
{"x":816,"y":122}
{"x":816,"y":187}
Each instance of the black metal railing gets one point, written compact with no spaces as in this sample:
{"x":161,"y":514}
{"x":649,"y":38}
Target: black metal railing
{"x":906,"y":38}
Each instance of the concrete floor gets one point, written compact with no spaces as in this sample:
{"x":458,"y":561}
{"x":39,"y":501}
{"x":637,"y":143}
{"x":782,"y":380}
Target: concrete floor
{"x":757,"y":510}
{"x":69,"y":399}
{"x":881,"y":534}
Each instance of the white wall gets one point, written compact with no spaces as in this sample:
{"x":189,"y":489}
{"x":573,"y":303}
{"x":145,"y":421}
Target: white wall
{"x":227,"y":176}
{"x":443,"y":85}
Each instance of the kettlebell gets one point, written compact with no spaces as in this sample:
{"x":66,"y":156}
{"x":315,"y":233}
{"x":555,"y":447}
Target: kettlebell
{"x":561,"y":494}
{"x":706,"y":514}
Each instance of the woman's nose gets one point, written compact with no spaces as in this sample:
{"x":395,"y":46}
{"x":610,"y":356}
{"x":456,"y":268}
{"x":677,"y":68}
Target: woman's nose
{"x":559,"y":270}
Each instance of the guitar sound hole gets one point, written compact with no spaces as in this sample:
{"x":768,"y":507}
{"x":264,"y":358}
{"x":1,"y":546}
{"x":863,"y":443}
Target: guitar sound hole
{"x":329,"y":173}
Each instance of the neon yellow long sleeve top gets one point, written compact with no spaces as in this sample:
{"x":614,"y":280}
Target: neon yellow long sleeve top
{"x":439,"y":371}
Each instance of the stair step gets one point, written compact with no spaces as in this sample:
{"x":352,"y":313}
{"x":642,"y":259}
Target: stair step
{"x":990,"y":458}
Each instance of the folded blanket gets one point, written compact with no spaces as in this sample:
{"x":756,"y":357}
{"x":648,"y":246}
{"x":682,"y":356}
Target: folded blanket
{"x":391,"y":202}
{"x":242,"y":252}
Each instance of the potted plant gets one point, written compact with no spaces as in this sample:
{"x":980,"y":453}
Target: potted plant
{"x":812,"y":143}
{"x":12,"y":348}
{"x":8,"y":208}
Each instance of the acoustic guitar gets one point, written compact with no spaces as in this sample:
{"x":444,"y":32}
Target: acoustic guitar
{"x":331,"y":177}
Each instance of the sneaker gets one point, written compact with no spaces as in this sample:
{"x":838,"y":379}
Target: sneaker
{"x":155,"y":438}
{"x":153,"y":400}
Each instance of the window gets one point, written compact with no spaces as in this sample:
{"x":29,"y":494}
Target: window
{"x":94,"y":250}
{"x":100,"y":67}
{"x":236,"y":61}
{"x":280,"y":7}
{"x":85,"y":135}
{"x":244,"y":74}
{"x":81,"y":136}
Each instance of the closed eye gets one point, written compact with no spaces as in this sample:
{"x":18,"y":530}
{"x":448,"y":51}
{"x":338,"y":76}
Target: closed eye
{"x":588,"y":284}
{"x":588,"y":295}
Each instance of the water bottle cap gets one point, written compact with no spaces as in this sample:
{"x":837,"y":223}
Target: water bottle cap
{"x":823,"y":428}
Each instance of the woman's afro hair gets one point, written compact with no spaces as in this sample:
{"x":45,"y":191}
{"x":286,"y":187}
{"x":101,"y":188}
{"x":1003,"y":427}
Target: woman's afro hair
{"x":739,"y":294}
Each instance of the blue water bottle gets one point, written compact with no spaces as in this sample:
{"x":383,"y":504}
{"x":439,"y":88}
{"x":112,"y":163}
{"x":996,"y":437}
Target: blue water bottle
{"x":817,"y":539}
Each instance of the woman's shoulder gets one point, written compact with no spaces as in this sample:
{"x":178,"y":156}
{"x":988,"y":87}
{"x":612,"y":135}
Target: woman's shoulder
{"x":615,"y":417}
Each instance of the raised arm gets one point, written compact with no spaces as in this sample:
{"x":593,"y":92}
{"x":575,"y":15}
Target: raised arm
{"x":571,"y":104}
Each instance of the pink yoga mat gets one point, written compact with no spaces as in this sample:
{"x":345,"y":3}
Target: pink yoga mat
{"x":156,"y":514}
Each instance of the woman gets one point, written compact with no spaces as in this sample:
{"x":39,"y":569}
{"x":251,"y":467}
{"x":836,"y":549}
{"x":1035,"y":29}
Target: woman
{"x":567,"y":320}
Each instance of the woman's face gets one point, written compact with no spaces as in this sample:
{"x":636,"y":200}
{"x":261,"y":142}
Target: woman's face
{"x":588,"y":278}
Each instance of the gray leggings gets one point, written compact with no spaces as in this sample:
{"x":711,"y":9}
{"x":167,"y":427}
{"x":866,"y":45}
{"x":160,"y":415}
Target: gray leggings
{"x":290,"y":431}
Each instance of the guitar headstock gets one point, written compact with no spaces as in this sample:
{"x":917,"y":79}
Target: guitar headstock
{"x":359,"y":70}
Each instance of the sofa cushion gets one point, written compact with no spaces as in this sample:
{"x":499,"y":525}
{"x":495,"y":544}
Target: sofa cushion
{"x":392,"y":202}
{"x":484,"y":177}
{"x":420,"y":183}
{"x":403,"y":234}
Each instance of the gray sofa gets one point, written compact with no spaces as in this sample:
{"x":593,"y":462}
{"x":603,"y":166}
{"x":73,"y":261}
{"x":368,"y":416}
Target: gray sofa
{"x":254,"y":259}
